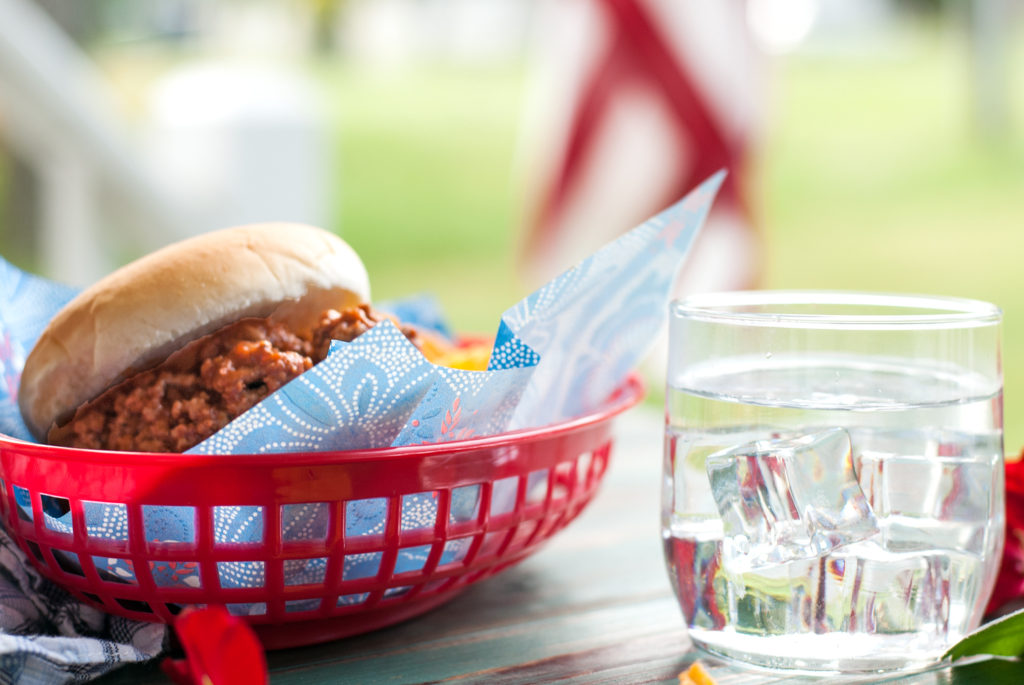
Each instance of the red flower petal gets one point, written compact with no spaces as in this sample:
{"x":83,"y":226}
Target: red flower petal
{"x":220,"y":649}
{"x":1010,"y":581}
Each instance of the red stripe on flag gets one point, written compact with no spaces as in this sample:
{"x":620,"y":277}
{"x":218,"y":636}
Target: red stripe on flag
{"x":638,"y":52}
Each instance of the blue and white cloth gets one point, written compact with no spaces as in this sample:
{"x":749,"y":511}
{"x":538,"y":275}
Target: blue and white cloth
{"x":49,"y":637}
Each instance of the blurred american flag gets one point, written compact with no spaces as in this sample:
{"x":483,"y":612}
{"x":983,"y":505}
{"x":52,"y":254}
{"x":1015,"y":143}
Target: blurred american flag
{"x":635,"y":103}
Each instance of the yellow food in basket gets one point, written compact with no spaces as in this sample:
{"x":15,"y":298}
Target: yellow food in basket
{"x":696,"y":674}
{"x":471,"y":354}
{"x":470,"y":358}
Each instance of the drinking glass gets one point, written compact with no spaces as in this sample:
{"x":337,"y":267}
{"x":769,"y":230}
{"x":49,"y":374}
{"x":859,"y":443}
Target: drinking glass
{"x":833,"y":475}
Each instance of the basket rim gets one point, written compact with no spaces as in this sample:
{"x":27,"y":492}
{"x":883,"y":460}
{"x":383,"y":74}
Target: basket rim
{"x":624,"y":397}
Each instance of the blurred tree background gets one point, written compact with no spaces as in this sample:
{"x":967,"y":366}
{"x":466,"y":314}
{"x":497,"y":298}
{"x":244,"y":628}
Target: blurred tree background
{"x":891,"y":154}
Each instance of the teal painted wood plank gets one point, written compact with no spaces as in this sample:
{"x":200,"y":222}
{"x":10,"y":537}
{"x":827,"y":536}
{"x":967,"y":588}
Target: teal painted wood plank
{"x":480,"y":652}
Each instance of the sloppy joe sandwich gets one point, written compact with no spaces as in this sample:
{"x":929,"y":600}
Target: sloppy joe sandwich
{"x":166,"y":351}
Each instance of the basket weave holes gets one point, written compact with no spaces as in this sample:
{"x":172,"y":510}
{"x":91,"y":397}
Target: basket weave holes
{"x":238,"y":525}
{"x":305,"y":571}
{"x":492,"y":543}
{"x":247,"y":608}
{"x":68,"y":562}
{"x":23,"y":503}
{"x":503,"y":496}
{"x":300,"y":605}
{"x":241,"y":574}
{"x":537,"y":486}
{"x":176,"y":574}
{"x":165,"y":524}
{"x":305,"y":522}
{"x":35,"y":551}
{"x":358,"y":566}
{"x":563,"y":481}
{"x":106,"y":520}
{"x":455,"y":551}
{"x":419,"y":511}
{"x":465,"y":505}
{"x":583,"y":465}
{"x":523,"y":533}
{"x":412,"y":559}
{"x":437,"y":585}
{"x":351,"y":600}
{"x":396,"y":592}
{"x":600,"y":461}
{"x":115,"y":570}
{"x":135,"y":605}
{"x":57,"y":513}
{"x":364,"y":517}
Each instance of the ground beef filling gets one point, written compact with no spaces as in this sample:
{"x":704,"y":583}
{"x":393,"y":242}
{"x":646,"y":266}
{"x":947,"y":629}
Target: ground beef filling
{"x":201,"y":388}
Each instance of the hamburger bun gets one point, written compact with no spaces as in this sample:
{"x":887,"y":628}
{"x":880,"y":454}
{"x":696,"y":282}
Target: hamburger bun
{"x":135,"y":317}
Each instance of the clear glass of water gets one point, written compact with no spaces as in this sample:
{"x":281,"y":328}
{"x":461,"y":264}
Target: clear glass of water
{"x":833,"y":475}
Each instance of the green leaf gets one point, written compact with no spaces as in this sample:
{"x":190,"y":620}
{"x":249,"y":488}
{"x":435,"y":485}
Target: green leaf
{"x":1002,"y":637}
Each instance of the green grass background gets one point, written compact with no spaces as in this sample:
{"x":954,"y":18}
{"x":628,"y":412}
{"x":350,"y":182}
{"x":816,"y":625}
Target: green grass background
{"x":869,"y":173}
{"x":876,"y":176}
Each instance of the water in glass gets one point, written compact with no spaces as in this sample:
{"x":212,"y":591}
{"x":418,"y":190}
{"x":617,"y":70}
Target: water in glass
{"x":929,"y":468}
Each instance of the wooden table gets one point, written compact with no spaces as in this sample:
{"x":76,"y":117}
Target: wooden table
{"x":593,"y":606}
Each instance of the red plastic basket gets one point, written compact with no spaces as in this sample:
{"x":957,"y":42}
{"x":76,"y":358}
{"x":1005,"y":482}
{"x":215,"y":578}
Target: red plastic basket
{"x":553,"y":471}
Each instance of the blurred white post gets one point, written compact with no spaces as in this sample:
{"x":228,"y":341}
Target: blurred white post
{"x":56,"y":115}
{"x":242,"y":143}
{"x":989,"y":25}
{"x":70,"y":245}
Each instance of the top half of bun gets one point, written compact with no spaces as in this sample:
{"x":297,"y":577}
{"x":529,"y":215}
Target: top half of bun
{"x":139,"y":314}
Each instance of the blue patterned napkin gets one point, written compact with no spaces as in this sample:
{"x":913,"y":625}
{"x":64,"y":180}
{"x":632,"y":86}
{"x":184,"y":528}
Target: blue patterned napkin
{"x":359,"y":397}
{"x":376,"y":391}
{"x":27,"y":303}
{"x":592,"y":324}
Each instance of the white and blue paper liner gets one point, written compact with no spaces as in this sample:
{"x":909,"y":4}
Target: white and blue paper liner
{"x":27,"y":303}
{"x":376,"y":391}
{"x":423,"y":309}
{"x":359,"y":397}
{"x":465,"y":404}
{"x":592,"y":324}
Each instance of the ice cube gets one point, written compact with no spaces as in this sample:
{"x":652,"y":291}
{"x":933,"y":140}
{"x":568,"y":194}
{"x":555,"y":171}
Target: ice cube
{"x":931,"y":489}
{"x":789,"y":498}
{"x":923,"y":591}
